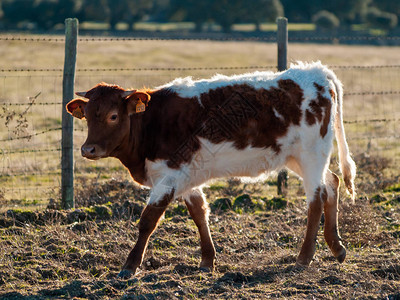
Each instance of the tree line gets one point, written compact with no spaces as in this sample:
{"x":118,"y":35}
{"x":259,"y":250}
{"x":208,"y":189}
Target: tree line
{"x":327,"y":15}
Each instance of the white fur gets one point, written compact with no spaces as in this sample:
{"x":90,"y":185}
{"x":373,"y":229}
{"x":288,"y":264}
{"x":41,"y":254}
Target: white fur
{"x":302,"y":149}
{"x":303,"y":74}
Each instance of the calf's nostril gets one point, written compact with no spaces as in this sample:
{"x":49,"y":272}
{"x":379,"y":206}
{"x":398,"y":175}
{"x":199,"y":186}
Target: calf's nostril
{"x":88,"y":150}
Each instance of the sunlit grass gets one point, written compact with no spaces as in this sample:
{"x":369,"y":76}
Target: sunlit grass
{"x":17,"y":87}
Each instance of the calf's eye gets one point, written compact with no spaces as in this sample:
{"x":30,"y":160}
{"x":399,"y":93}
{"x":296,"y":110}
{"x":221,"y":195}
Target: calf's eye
{"x":114,"y":117}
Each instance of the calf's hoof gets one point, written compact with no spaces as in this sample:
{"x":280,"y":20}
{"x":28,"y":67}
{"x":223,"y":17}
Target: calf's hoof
{"x":303,"y":261}
{"x":206,"y":269}
{"x":341,"y":256}
{"x":125,"y":274}
{"x":299,"y":266}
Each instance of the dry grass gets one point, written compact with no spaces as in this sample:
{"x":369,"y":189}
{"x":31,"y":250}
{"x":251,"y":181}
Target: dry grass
{"x":78,"y":254}
{"x":58,"y":254}
{"x":28,"y":180}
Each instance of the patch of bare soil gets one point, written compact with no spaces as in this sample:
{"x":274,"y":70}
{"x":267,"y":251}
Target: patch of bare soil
{"x":77,"y":254}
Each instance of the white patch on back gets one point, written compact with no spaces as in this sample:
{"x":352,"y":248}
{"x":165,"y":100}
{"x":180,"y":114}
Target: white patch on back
{"x":301,"y":73}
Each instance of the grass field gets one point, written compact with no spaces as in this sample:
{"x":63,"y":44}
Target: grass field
{"x":60,"y":254}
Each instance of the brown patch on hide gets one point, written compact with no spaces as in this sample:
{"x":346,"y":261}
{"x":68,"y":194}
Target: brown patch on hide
{"x":319,"y":110}
{"x":251,"y":117}
{"x":333,"y":95}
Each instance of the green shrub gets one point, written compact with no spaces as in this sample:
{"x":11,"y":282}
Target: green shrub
{"x":325,"y":20}
{"x":380,"y":19}
{"x":221,"y":204}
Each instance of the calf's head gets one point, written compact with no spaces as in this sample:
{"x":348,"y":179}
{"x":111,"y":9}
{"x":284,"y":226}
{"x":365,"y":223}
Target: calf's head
{"x":108,"y":110}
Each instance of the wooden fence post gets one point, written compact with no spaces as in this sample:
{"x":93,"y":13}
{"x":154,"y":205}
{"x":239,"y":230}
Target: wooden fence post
{"x":67,"y":141}
{"x":282,"y":42}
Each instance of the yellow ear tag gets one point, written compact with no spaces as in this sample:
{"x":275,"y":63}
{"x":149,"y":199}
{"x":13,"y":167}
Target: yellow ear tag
{"x":78,"y":113}
{"x":140,"y":107}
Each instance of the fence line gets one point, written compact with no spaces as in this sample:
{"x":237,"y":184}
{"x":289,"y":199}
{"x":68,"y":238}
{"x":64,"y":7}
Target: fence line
{"x":271,"y":38}
{"x":48,"y":147}
{"x":78,"y":130}
{"x":192,"y":68}
{"x":30,"y":135}
{"x":369,"y":93}
{"x":145,"y":69}
{"x":28,"y":103}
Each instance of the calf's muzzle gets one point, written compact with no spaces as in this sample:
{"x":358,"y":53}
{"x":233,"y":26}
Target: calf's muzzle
{"x":90,"y":151}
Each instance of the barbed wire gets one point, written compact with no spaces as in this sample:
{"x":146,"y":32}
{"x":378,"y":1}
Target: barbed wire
{"x":8,"y":152}
{"x":371,"y":121}
{"x":270,"y":38}
{"x":29,"y":103}
{"x":54,"y":172}
{"x":344,"y":38}
{"x":154,"y":69}
{"x":384,"y":137}
{"x":141,"y":69}
{"x":30,"y":70}
{"x":370,"y":93}
{"x":30,"y":135}
{"x":23,"y":39}
{"x":364,"y":66}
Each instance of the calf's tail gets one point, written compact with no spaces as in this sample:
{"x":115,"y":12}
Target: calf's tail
{"x":346,"y":163}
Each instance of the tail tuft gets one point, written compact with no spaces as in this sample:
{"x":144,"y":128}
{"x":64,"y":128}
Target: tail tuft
{"x":349,"y":173}
{"x":347,"y":164}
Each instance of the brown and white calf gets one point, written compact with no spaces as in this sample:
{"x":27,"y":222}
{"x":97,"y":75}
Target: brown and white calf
{"x":180,"y":135}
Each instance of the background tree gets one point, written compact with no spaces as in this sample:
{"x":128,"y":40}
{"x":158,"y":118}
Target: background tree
{"x":129,"y":11}
{"x":325,"y":20}
{"x":1,"y":10}
{"x":227,"y":12}
{"x":258,"y":11}
{"x":392,"y":6}
{"x":348,"y":11}
{"x":138,"y":10}
{"x":299,"y":11}
{"x":47,"y":13}
{"x":382,"y":20}
{"x":94,"y":10}
{"x":198,"y":12}
{"x":16,"y":11}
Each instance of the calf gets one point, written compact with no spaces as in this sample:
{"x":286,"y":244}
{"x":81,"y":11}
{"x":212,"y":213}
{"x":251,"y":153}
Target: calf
{"x":180,"y":135}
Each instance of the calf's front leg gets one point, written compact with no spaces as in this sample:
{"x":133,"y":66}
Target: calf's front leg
{"x":149,"y":220}
{"x":313,"y":221}
{"x":198,"y":209}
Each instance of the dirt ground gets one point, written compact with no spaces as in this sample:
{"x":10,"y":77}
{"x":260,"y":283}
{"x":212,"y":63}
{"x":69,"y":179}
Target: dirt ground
{"x":57,"y":254}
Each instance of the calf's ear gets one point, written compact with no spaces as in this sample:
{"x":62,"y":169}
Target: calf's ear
{"x":137,"y":102}
{"x":76,"y":108}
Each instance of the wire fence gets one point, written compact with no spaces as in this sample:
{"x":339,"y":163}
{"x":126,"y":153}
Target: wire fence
{"x":30,"y":124}
{"x":208,"y":37}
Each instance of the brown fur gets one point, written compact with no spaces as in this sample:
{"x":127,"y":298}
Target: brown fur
{"x":313,"y":221}
{"x":245,"y":116}
{"x":149,"y":220}
{"x":331,"y":232}
{"x":320,"y":109}
{"x":171,"y":126}
{"x":198,"y":209}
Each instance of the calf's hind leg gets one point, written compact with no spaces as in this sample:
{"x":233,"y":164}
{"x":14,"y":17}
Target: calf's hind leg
{"x":331,"y":233}
{"x":198,"y":209}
